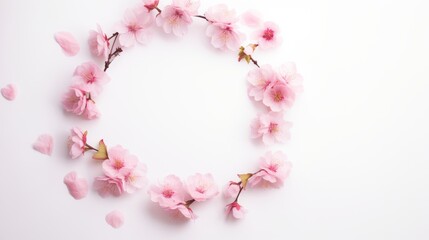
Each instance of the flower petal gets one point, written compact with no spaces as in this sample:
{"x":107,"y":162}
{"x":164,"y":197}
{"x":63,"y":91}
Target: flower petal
{"x":9,"y":92}
{"x":67,"y":42}
{"x":115,"y":219}
{"x":44,"y":144}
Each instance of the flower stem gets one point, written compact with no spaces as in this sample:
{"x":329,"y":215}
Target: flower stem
{"x":112,"y":53}
{"x":254,"y":61}
{"x":89,"y":147}
{"x":201,"y":16}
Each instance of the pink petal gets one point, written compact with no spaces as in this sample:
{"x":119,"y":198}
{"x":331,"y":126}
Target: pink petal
{"x":9,"y":92}
{"x":78,"y":187}
{"x":67,"y":42}
{"x":115,"y":219}
{"x":44,"y":144}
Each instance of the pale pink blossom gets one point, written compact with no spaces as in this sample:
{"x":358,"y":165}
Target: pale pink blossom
{"x":99,"y":43}
{"x":271,"y":127}
{"x":135,"y":27}
{"x":251,"y":19}
{"x":259,"y":80}
{"x":44,"y":144}
{"x":91,"y":111}
{"x":90,"y":78}
{"x":150,"y":4}
{"x":201,"y":187}
{"x":222,"y":30}
{"x":274,"y":169}
{"x":77,"y":187}
{"x":135,"y":178}
{"x":9,"y":92}
{"x":67,"y":42}
{"x":120,"y":162}
{"x":169,"y":193}
{"x":76,"y":143}
{"x":177,"y":17}
{"x":75,"y":100}
{"x":289,"y":75}
{"x":115,"y":219}
{"x":268,"y":36}
{"x":105,"y":186}
{"x":278,"y":96}
{"x":235,"y":209}
{"x":231,"y":190}
{"x":185,"y":211}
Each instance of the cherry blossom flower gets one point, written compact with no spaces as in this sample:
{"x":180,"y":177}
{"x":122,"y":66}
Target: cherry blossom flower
{"x":9,"y":92}
{"x":268,"y":36}
{"x":99,"y":43}
{"x":77,"y":143}
{"x":90,"y":78}
{"x":177,"y":17}
{"x":120,"y":162}
{"x":44,"y":144}
{"x":222,"y":29}
{"x":259,"y":80}
{"x":74,"y":100}
{"x":236,"y":210}
{"x":185,"y":211}
{"x":105,"y":186}
{"x":115,"y":219}
{"x":77,"y":187}
{"x":169,"y":193}
{"x":231,"y":190}
{"x":251,"y":19}
{"x":135,"y":27}
{"x":289,"y":75}
{"x":67,"y":42}
{"x":274,"y":169}
{"x":278,"y":96}
{"x":91,"y":111}
{"x":271,"y":127}
{"x":135,"y":178}
{"x":150,"y":4}
{"x":201,"y":187}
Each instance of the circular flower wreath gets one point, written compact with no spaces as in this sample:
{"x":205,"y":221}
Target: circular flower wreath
{"x":123,"y":173}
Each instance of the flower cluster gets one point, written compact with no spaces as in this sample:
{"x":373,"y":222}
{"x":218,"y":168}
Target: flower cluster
{"x":174,"y":195}
{"x":273,"y":170}
{"x":122,"y":171}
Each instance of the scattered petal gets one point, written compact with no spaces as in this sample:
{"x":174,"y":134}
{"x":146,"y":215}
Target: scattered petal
{"x":9,"y":92}
{"x":44,"y":144}
{"x":115,"y":219}
{"x":78,"y":187}
{"x":67,"y":42}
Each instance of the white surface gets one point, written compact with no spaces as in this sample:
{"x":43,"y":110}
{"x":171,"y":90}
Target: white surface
{"x":359,"y":142}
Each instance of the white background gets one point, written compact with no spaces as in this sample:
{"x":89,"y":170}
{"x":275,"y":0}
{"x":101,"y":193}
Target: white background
{"x":359,"y":142}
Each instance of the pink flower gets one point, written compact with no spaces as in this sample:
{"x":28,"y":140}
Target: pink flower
{"x":135,"y":178}
{"x":222,"y":30}
{"x":74,"y":100}
{"x":169,"y":193}
{"x":288,"y":74}
{"x":259,"y":80}
{"x":115,"y":219}
{"x":44,"y":144}
{"x":231,"y":190}
{"x":274,"y":169}
{"x":90,"y":78}
{"x":99,"y":43}
{"x":201,"y":187}
{"x":150,"y":4}
{"x":236,"y":210}
{"x":77,"y":143}
{"x":91,"y":111}
{"x":120,"y":162}
{"x":251,"y":19}
{"x":268,"y":36}
{"x":77,"y":187}
{"x":105,"y":186}
{"x":177,"y":17}
{"x":271,"y":127}
{"x":135,"y":26}
{"x":67,"y":42}
{"x":9,"y":92}
{"x":185,"y":211}
{"x":278,"y":96}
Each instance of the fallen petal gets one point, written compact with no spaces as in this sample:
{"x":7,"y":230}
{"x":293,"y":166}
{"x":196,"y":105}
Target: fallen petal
{"x":78,"y":187}
{"x":115,"y":219}
{"x":67,"y":42}
{"x":44,"y":144}
{"x":9,"y":92}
